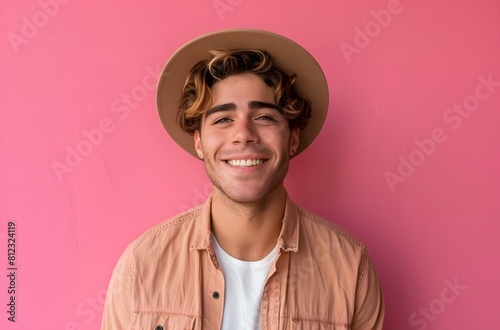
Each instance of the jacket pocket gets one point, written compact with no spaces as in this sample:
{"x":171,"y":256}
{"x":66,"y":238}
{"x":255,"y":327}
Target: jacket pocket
{"x":152,"y":320}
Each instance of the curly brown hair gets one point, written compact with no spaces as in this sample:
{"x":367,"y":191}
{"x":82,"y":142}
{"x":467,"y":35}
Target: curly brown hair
{"x":196,"y":96}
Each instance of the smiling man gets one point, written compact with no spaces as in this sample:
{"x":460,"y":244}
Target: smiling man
{"x":245,"y":102}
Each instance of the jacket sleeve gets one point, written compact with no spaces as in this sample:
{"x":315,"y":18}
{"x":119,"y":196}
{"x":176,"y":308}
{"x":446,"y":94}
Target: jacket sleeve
{"x":118,"y":306}
{"x":369,"y":305}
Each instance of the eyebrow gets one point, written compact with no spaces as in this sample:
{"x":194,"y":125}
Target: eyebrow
{"x":252,"y":105}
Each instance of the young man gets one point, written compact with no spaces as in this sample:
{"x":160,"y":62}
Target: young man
{"x":249,"y":258}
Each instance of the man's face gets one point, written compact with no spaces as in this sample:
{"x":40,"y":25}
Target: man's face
{"x":244,"y":140}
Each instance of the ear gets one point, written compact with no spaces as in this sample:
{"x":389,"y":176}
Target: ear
{"x":197,"y":143}
{"x":294,"y":140}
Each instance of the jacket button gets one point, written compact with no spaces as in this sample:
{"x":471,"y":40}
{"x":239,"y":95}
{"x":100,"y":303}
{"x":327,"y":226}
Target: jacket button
{"x":216,"y":295}
{"x":159,"y":327}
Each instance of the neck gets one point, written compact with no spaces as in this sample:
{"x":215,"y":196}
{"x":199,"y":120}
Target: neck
{"x":248,"y":231}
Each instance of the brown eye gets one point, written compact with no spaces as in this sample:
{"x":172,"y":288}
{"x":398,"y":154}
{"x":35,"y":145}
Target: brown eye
{"x":223,"y":120}
{"x":266,"y":118}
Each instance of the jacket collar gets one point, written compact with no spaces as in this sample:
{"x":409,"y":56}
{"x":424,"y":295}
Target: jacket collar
{"x":288,"y":239}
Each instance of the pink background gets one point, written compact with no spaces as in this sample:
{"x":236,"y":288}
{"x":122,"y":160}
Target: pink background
{"x":79,"y":75}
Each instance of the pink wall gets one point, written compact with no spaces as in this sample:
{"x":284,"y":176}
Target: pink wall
{"x":407,"y":162}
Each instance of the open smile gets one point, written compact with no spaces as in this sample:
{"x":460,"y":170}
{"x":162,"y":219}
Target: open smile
{"x":245,"y":162}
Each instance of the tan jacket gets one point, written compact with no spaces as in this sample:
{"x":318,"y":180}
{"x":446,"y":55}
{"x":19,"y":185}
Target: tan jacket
{"x":169,"y":278}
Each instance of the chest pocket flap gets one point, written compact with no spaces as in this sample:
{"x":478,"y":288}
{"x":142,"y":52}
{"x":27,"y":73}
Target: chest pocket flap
{"x":152,"y":320}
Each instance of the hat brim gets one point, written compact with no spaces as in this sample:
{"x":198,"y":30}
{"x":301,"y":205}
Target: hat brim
{"x":285,"y":54}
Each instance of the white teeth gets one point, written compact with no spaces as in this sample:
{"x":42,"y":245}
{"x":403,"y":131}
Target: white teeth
{"x":245,"y":162}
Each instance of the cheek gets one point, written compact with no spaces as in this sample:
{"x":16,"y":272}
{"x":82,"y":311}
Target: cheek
{"x":212,"y":141}
{"x":279,"y":138}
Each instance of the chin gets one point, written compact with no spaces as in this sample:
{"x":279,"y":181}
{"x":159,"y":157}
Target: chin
{"x":244,"y":198}
{"x":246,"y":195}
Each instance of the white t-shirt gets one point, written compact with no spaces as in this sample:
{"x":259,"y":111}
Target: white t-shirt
{"x":244,"y":283}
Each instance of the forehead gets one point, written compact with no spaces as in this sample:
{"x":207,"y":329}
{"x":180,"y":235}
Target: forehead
{"x":242,"y":86}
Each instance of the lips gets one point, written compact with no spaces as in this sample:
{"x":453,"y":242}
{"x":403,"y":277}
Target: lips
{"x":245,"y":162}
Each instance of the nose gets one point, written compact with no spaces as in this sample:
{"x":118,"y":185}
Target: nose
{"x":245,"y":132}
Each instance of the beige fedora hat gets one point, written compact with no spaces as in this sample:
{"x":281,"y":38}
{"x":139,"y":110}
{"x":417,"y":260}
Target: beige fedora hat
{"x":286,"y":55}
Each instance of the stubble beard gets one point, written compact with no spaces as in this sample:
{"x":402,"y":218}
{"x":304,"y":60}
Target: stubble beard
{"x":269,"y":190}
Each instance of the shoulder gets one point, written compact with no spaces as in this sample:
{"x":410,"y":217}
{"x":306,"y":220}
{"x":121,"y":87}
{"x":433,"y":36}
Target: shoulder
{"x":315,"y":227}
{"x":153,"y":253}
{"x":313,"y":221}
{"x":175,"y":223}
{"x":333,"y":246}
{"x":171,"y":233}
